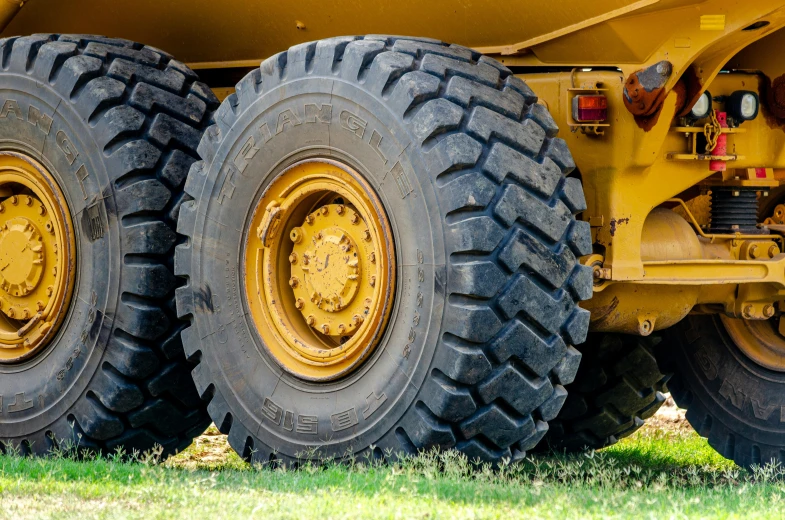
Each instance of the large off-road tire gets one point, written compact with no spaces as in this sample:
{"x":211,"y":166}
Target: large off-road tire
{"x":618,"y":387}
{"x":738,"y":404}
{"x":466,"y":164}
{"x":116,"y":124}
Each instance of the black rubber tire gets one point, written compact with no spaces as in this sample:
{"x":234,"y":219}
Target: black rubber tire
{"x":476,"y":352}
{"x":116,"y":374}
{"x":738,"y":405}
{"x":618,"y":387}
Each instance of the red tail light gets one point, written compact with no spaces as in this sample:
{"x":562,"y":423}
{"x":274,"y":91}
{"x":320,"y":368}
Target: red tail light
{"x":589,"y":108}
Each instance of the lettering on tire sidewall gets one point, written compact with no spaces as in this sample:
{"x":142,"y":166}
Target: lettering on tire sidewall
{"x":750,"y":395}
{"x":52,"y":381}
{"x":289,"y":413}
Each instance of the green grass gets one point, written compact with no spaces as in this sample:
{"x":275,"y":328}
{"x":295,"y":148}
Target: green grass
{"x":653,"y":474}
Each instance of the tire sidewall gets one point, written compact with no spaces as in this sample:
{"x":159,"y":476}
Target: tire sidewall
{"x":356,"y":411}
{"x":748,"y":398}
{"x":45,"y":387}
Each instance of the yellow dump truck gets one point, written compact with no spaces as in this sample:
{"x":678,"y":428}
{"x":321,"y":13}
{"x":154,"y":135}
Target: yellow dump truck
{"x":511,"y":230}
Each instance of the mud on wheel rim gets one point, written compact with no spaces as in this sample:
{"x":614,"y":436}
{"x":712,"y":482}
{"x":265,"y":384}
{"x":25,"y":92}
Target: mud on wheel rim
{"x":319,"y":270}
{"x":36,"y":257}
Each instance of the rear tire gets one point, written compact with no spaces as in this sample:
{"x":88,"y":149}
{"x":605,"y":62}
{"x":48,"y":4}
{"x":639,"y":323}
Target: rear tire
{"x":737,"y":404}
{"x":117,"y":125}
{"x":618,"y":387}
{"x":467,"y":165}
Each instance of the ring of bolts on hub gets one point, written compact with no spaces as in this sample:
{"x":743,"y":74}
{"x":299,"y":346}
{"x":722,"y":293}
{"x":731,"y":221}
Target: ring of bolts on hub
{"x":23,"y":257}
{"x":328,"y":270}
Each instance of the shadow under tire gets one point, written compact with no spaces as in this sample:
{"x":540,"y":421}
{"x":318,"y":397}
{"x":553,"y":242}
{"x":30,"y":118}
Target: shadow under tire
{"x":117,"y":124}
{"x":732,"y":401}
{"x":473,"y":179}
{"x":618,"y":387}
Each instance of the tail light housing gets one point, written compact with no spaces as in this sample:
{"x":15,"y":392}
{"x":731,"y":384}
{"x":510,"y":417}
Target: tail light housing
{"x":589,"y":108}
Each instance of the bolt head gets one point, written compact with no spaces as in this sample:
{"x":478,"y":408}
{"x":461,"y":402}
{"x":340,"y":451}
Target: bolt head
{"x":341,"y":328}
{"x":310,"y":320}
{"x":296,"y":235}
{"x":367,"y":235}
{"x":13,"y":200}
{"x":372,"y":281}
{"x":339,"y":209}
{"x":768,"y":311}
{"x":293,"y":282}
{"x":357,"y":319}
{"x":747,"y":311}
{"x":354,"y":219}
{"x":325,"y":329}
{"x":29,"y":201}
{"x":373,"y":257}
{"x":308,"y":219}
{"x":325,"y":210}
{"x":753,"y":252}
{"x":299,"y":303}
{"x":773,"y":251}
{"x":49,"y":290}
{"x":293,"y":258}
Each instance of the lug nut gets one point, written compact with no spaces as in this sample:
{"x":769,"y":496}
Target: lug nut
{"x":41,"y":210}
{"x":293,"y":258}
{"x":11,"y":313}
{"x":373,"y":257}
{"x":310,"y":320}
{"x":296,"y":235}
{"x":49,"y":290}
{"x":768,"y":311}
{"x":773,"y":251}
{"x":357,"y":320}
{"x":299,"y":304}
{"x":325,"y":211}
{"x":293,"y":281}
{"x":341,"y":328}
{"x":373,"y":281}
{"x":308,"y":219}
{"x":339,"y":209}
{"x":13,"y":200}
{"x":367,"y":235}
{"x":326,"y":329}
{"x":39,"y":306}
{"x":29,"y":201}
{"x":354,"y":219}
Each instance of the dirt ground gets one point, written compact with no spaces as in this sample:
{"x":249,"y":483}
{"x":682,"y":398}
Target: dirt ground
{"x":212,"y":449}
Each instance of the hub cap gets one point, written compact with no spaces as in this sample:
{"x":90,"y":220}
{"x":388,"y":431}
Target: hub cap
{"x":36,"y":257}
{"x":319,"y":270}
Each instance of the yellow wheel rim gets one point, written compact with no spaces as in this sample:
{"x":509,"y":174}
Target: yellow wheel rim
{"x":36,"y":257}
{"x":760,"y":340}
{"x":319,"y":270}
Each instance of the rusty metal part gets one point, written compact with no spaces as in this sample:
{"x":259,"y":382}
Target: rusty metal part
{"x":318,"y":245}
{"x":774,"y":97}
{"x":644,"y":90}
{"x":36,"y":257}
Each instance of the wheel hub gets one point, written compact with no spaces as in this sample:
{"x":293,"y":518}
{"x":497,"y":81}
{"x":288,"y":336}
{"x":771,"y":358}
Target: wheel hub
{"x":320,"y":270}
{"x":36,"y":257}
